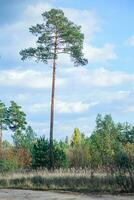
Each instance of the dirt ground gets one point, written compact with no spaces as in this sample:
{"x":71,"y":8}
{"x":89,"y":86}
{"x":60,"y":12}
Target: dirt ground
{"x":37,"y":195}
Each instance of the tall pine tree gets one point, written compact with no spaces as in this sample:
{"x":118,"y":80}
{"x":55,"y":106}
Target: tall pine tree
{"x":56,"y":35}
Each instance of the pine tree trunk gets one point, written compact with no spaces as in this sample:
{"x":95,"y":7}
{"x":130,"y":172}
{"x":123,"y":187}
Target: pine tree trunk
{"x":52,"y":108}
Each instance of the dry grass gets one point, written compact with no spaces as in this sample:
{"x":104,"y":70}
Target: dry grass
{"x":71,"y":180}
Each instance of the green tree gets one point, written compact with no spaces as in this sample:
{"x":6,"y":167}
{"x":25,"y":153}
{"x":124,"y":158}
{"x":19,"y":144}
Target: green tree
{"x":94,"y":151}
{"x":16,"y":117}
{"x":76,"y":138}
{"x":125,"y":133}
{"x":24,"y":138}
{"x":78,"y":152}
{"x":60,"y":157}
{"x":79,"y":156}
{"x":104,"y":142}
{"x":40,"y":154}
{"x":57,"y":35}
{"x":3,"y":121}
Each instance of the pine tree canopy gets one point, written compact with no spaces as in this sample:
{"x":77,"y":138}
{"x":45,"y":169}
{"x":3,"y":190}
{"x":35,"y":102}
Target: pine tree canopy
{"x":57,"y":35}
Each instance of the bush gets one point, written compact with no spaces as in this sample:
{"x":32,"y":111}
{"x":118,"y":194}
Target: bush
{"x":8,"y":165}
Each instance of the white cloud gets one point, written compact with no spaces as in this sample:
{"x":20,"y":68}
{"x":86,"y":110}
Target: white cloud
{"x":99,"y":77}
{"x":83,"y":81}
{"x":130,"y":41}
{"x":35,"y":10}
{"x":62,"y":107}
{"x":27,"y":79}
{"x":22,"y":97}
{"x":73,"y":107}
{"x":102,"y":54}
{"x":110,"y":96}
{"x":129,"y":109}
{"x":103,"y":77}
{"x":38,"y":108}
{"x":20,"y":37}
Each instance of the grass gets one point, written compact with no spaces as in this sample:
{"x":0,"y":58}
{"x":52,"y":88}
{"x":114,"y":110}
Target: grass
{"x":69,"y":180}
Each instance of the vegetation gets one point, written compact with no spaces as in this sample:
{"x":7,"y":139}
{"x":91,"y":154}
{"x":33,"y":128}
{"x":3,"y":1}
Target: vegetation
{"x":57,"y":35}
{"x":66,"y":180}
{"x":104,"y":161}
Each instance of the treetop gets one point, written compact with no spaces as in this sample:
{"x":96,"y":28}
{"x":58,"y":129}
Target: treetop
{"x":56,"y":35}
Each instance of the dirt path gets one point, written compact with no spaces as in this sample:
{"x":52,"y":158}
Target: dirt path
{"x":37,"y":195}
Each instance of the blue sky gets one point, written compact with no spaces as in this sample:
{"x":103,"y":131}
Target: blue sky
{"x":105,"y":85}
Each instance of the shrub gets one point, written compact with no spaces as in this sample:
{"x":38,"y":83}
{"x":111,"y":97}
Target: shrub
{"x":8,"y":165}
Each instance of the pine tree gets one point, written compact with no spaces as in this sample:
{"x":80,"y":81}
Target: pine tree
{"x":16,"y":117}
{"x":56,"y":35}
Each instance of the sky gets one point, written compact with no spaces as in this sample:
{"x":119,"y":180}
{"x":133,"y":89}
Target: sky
{"x":105,"y":85}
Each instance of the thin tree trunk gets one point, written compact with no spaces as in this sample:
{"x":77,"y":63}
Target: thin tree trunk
{"x":52,"y":108}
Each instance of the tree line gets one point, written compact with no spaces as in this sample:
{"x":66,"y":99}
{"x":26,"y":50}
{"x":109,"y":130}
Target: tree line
{"x":109,"y":149}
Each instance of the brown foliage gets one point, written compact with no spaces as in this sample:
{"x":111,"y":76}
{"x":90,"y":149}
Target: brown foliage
{"x":23,"y":158}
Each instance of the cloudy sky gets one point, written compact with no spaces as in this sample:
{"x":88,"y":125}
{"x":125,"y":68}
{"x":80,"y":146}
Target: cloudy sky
{"x":105,"y":85}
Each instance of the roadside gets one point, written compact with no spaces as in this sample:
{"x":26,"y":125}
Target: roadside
{"x":9,"y":194}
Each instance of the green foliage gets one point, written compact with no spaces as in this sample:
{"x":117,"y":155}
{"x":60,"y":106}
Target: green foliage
{"x":40,"y":154}
{"x":123,"y":163}
{"x":16,"y":117}
{"x":78,"y":152}
{"x":24,"y":138}
{"x":8,"y":165}
{"x":110,"y":148}
{"x":102,"y":150}
{"x":124,"y":171}
{"x":3,"y":116}
{"x":13,"y":117}
{"x":60,"y":158}
{"x":76,"y":138}
{"x":56,"y":31}
{"x":79,"y":156}
{"x":3,"y":123}
{"x":104,"y":141}
{"x":125,"y":133}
